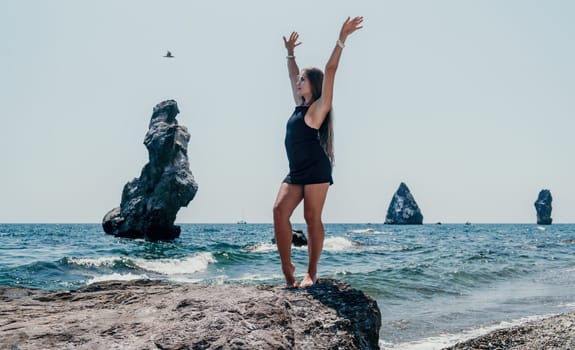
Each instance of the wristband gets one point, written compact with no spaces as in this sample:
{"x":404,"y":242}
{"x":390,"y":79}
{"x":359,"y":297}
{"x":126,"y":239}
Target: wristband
{"x":340,"y":44}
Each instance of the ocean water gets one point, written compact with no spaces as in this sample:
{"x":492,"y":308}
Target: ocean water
{"x":435,"y":284}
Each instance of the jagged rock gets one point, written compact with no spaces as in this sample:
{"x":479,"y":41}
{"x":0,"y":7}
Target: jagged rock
{"x":403,"y":209}
{"x":298,"y":238}
{"x":543,"y":207}
{"x":150,"y":203}
{"x":148,"y":314}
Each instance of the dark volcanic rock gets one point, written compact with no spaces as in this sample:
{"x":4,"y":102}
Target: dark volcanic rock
{"x":298,"y":238}
{"x":156,"y":315}
{"x":543,"y":207}
{"x":150,"y":203}
{"x":403,"y":209}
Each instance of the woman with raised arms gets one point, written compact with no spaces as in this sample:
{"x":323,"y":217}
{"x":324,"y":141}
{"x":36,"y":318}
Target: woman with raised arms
{"x":309,"y":147}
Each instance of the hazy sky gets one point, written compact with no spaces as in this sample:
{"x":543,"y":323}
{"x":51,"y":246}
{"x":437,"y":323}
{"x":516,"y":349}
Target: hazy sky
{"x":470,"y":103}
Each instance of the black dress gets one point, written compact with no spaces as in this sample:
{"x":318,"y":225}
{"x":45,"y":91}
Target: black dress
{"x":308,"y":162}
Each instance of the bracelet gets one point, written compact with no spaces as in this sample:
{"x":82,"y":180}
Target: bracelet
{"x":290,"y":56}
{"x":340,"y":44}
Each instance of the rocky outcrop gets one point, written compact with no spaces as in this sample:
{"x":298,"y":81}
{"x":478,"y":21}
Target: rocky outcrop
{"x":403,"y":210}
{"x":543,"y":208}
{"x":298,"y":238}
{"x":150,"y":203}
{"x":157,"y":315}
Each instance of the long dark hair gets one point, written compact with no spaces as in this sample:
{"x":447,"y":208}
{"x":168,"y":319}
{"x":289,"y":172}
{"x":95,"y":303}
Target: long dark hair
{"x":315,"y":77}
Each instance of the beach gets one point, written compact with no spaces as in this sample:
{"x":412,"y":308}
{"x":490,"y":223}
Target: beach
{"x":555,"y":332}
{"x":436,"y":285}
{"x":144,"y":314}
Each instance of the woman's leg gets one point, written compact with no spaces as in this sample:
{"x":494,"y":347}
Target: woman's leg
{"x":314,"y":199}
{"x":289,"y":196}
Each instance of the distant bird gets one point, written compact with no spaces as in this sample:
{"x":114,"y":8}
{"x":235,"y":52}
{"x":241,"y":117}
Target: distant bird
{"x":169,"y":55}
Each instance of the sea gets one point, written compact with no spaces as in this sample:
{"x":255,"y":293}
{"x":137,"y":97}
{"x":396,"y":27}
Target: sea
{"x":435,"y":284}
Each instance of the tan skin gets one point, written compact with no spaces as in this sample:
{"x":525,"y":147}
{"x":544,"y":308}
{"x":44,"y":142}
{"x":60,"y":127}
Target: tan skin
{"x":313,"y":195}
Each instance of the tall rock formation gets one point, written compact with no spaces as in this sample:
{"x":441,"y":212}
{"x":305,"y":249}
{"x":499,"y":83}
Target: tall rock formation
{"x":150,"y":203}
{"x":403,"y":210}
{"x":543,"y":207}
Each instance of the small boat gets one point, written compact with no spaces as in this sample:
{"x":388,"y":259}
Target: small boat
{"x":243,"y":220}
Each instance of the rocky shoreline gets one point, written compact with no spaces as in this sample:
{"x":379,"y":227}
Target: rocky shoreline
{"x":555,"y":332}
{"x":147,"y":314}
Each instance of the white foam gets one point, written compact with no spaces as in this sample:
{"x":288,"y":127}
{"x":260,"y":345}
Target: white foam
{"x":103,"y":261}
{"x":250,"y":277}
{"x":262,"y":248}
{"x":350,"y":269}
{"x":567,"y":305}
{"x":337,"y":244}
{"x":186,"y":279}
{"x":196,"y":263}
{"x":367,"y":231}
{"x":448,"y":339}
{"x":117,"y":277}
{"x":332,"y":244}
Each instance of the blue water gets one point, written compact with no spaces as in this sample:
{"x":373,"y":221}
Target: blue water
{"x":435,"y":284}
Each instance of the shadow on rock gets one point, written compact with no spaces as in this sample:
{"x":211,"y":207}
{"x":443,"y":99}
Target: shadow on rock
{"x":359,"y":312}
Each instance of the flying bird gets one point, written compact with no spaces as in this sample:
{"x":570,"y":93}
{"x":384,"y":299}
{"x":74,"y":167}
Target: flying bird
{"x":169,"y":55}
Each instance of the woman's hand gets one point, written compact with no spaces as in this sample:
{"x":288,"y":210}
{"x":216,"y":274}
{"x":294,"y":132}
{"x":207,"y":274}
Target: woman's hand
{"x":291,"y":43}
{"x":350,"y":26}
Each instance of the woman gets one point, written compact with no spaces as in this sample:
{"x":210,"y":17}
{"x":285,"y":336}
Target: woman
{"x":309,"y":147}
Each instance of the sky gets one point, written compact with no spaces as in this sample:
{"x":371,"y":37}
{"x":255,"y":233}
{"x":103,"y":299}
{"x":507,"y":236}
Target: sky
{"x":470,"y":103}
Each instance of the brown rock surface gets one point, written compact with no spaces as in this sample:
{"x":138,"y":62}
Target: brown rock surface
{"x":556,"y":332}
{"x":147,"y":314}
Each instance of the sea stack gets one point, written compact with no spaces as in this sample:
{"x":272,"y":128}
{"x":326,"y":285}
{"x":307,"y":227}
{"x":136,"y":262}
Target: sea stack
{"x":150,"y":203}
{"x":543,"y":207}
{"x":403,"y":210}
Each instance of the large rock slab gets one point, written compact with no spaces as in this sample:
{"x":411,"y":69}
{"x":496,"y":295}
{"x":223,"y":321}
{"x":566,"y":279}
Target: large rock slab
{"x":148,"y":314}
{"x":150,"y":203}
{"x":403,"y":210}
{"x":543,"y":207}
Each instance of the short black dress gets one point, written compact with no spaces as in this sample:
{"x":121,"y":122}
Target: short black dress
{"x":308,"y":162}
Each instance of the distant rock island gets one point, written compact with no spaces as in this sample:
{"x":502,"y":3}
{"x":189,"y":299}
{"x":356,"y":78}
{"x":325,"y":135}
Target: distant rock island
{"x":146,"y":314}
{"x":150,"y":203}
{"x":403,"y":210}
{"x":543,"y":207}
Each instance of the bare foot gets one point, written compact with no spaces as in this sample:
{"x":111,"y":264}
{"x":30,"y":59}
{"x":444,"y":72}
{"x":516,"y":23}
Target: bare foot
{"x":308,"y":281}
{"x":291,"y":282}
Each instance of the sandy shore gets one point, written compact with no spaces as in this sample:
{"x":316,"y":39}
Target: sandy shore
{"x":556,"y":332}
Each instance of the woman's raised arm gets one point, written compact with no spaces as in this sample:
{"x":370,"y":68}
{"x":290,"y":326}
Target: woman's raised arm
{"x":323,"y":104}
{"x":293,"y":69}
